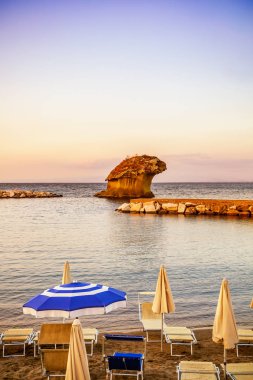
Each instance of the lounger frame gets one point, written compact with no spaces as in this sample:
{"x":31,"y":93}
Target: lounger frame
{"x":215,"y":371}
{"x":90,"y":336}
{"x":27,"y":339}
{"x":123,"y":338}
{"x":245,"y":339}
{"x":178,"y":342}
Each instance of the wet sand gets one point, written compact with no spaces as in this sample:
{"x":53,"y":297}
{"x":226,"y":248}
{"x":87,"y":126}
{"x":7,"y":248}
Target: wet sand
{"x":158,"y":365}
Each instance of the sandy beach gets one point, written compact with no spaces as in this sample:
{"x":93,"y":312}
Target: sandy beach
{"x":158,"y":365}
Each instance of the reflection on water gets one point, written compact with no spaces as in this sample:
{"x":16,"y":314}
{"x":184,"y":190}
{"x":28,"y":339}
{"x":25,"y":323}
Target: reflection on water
{"x":125,"y":251}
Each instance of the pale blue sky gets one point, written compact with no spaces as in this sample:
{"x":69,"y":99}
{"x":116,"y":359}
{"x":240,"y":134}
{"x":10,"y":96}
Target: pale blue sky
{"x":86,"y":83}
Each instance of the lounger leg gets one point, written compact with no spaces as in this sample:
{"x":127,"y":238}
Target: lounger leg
{"x":191,"y":349}
{"x":237,"y":351}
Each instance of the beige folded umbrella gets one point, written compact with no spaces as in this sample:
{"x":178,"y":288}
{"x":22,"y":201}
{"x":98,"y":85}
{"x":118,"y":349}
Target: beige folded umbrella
{"x":77,"y":365}
{"x":251,"y":304}
{"x":66,"y":277}
{"x":163,"y":301}
{"x":224,"y":326}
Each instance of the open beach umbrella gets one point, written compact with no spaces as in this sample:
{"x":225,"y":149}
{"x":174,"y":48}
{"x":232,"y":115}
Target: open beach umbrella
{"x":66,"y":277}
{"x":163,"y":300}
{"x":77,"y":364}
{"x":74,"y":300}
{"x":224,"y":326}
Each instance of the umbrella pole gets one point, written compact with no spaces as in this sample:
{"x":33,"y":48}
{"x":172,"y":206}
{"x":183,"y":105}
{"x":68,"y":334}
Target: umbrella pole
{"x":162,"y":335}
{"x":225,"y":363}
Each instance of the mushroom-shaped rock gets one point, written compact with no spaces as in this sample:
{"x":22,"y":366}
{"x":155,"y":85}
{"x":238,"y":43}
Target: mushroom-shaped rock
{"x":132,"y":178}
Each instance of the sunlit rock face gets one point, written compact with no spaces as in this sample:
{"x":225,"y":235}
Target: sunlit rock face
{"x":132,"y":178}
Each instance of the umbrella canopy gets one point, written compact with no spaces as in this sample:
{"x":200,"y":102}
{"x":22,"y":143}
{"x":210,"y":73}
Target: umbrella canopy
{"x":163,"y":300}
{"x":66,"y":277}
{"x":74,"y":300}
{"x":77,"y":365}
{"x":224,"y":327}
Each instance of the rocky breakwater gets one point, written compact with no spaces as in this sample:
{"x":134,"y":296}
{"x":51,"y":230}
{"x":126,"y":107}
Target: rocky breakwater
{"x":27,"y":194}
{"x":132,"y":178}
{"x":241,"y":208}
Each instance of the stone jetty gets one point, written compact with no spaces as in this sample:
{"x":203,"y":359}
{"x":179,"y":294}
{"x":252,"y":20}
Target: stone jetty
{"x":27,"y":194}
{"x":240,"y":208}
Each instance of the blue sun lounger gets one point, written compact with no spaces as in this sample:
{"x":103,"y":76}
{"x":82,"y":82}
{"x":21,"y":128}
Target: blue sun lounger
{"x":125,"y":364}
{"x":123,"y":338}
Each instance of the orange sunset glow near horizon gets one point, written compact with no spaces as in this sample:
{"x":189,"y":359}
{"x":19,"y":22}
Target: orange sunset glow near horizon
{"x":85,"y":84}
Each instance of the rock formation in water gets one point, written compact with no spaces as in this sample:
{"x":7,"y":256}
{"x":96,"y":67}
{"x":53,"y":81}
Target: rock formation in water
{"x":132,"y":178}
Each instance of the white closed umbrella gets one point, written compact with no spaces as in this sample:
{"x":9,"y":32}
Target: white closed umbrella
{"x":66,"y":276}
{"x":77,"y":365}
{"x":224,"y":326}
{"x":163,"y":300}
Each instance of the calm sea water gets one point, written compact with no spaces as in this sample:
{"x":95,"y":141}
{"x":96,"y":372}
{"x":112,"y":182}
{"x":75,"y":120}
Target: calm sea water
{"x":125,"y":251}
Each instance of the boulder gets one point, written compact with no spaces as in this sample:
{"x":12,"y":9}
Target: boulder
{"x":190,"y":210}
{"x":170,"y":207}
{"x":150,"y":207}
{"x":201,"y":209}
{"x":135,"y":207}
{"x":181,"y":208}
{"x":132,"y":178}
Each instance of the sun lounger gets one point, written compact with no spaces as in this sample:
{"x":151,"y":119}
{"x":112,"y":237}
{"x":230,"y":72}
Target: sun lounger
{"x":16,"y":337}
{"x":150,"y":321}
{"x":125,"y":364}
{"x":239,"y":371}
{"x":54,"y":362}
{"x":245,"y":337}
{"x":122,"y":338}
{"x":192,"y":370}
{"x":90,"y":336}
{"x":179,"y":336}
{"x":52,"y":334}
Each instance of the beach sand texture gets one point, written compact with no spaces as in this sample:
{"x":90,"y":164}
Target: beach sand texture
{"x":158,"y":365}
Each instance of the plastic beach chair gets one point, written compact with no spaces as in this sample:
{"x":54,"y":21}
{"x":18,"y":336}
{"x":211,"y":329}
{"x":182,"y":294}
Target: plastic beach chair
{"x":192,"y":370}
{"x":90,"y":336}
{"x":54,"y":362}
{"x":125,"y":364}
{"x":179,"y":336}
{"x":150,"y":320}
{"x":245,"y":337}
{"x":16,"y":337}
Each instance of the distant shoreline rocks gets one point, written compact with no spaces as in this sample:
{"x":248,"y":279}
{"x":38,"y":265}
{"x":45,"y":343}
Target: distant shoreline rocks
{"x":27,"y":194}
{"x":242,"y":208}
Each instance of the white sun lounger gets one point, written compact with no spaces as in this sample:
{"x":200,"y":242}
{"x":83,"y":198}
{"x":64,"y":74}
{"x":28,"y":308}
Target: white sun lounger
{"x":192,"y":370}
{"x":90,"y":336}
{"x":179,"y":336}
{"x":16,"y":337}
{"x":239,"y":371}
{"x":150,"y":321}
{"x":245,"y":337}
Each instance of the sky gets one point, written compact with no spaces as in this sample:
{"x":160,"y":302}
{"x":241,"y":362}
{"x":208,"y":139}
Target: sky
{"x":85,"y":83}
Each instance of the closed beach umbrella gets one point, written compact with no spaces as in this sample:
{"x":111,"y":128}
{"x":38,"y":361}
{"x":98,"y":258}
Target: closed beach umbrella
{"x":77,"y":365}
{"x":74,"y":300}
{"x":163,"y":300}
{"x":224,"y":327}
{"x":66,"y":277}
{"x":251,"y":305}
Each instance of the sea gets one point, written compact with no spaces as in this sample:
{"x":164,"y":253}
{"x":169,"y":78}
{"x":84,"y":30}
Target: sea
{"x":125,"y":251}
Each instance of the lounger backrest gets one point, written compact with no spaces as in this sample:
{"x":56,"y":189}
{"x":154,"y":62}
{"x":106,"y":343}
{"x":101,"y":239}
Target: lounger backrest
{"x":54,"y":360}
{"x":121,"y":363}
{"x":147,"y":312}
{"x":54,"y":333}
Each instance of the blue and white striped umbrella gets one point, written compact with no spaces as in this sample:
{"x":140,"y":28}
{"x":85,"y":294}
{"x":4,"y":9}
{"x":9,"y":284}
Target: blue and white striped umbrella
{"x":74,"y":300}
